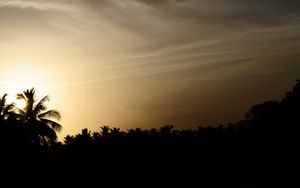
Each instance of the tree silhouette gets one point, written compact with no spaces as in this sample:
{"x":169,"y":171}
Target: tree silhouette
{"x":291,"y":103}
{"x":5,"y":109}
{"x":37,"y":121}
{"x":8,"y":133}
{"x":265,"y":111}
{"x":84,"y":138}
{"x":105,"y":131}
{"x":187,"y":158}
{"x":166,"y":130}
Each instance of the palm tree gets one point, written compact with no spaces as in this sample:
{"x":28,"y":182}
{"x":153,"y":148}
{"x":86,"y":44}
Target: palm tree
{"x":37,"y":121}
{"x":105,"y":132}
{"x":166,"y":130}
{"x":84,"y":138}
{"x":5,"y":109}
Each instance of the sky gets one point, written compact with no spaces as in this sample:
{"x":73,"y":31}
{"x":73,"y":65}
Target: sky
{"x":147,"y":63}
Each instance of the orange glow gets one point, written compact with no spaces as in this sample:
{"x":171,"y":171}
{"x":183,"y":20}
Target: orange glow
{"x":20,"y":79}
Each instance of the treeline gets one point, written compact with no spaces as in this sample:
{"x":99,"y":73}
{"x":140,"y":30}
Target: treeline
{"x":271,"y":120}
{"x":259,"y":151}
{"x":35,"y":125}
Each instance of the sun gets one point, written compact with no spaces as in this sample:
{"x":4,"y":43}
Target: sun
{"x":22,"y":78}
{"x":20,"y":103}
{"x":12,"y":99}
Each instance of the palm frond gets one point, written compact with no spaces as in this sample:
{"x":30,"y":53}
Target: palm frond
{"x":18,"y":110}
{"x":40,"y":106}
{"x":21,"y":96}
{"x":15,"y":115}
{"x":8,"y":108}
{"x":3,"y":102}
{"x":29,"y":97}
{"x":54,"y":125}
{"x":30,"y":94}
{"x":45,"y":130}
{"x":50,"y":114}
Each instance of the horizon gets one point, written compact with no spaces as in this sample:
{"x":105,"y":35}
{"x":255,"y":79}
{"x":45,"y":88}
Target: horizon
{"x":147,"y":63}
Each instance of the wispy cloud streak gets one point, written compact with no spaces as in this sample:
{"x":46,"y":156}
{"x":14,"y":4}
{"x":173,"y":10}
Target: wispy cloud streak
{"x":37,"y":4}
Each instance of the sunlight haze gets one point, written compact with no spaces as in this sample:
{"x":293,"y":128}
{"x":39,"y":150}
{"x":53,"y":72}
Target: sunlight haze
{"x":143,"y":63}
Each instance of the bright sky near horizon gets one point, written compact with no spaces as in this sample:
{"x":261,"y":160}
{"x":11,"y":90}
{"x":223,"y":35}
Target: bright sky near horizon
{"x":146,"y":63}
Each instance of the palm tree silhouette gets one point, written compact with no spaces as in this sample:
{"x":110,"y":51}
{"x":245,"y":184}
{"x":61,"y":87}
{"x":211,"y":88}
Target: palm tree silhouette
{"x":105,"y":131}
{"x":36,"y":120}
{"x":5,"y":109}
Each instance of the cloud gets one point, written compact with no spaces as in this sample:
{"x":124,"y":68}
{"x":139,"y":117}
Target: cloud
{"x":163,"y":23}
{"x":210,"y":11}
{"x":144,"y":37}
{"x":56,"y":5}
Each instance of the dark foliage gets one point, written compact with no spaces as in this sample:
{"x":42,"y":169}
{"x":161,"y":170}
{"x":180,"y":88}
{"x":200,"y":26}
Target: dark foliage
{"x":259,"y":151}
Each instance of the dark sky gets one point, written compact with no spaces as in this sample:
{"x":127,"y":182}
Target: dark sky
{"x":146,"y":63}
